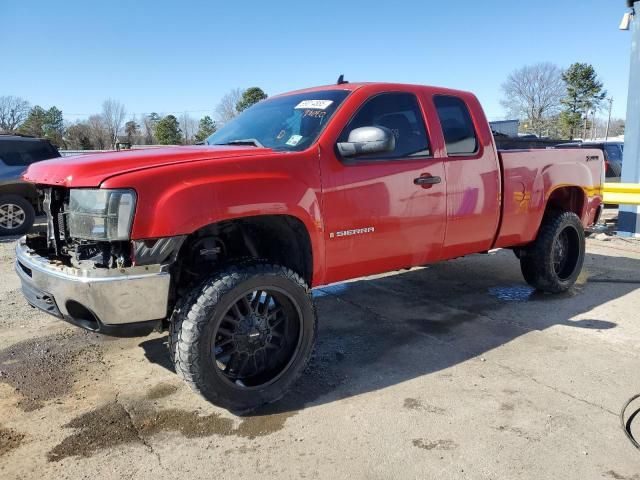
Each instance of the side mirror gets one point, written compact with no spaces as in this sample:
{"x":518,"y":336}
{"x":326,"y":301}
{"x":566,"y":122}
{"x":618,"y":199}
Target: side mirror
{"x":367,"y":140}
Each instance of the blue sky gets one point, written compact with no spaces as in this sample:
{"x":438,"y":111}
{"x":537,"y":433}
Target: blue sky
{"x":169,"y":56}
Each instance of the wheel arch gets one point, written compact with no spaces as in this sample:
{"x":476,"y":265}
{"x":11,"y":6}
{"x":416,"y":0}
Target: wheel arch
{"x":568,"y":198}
{"x":279,"y":238}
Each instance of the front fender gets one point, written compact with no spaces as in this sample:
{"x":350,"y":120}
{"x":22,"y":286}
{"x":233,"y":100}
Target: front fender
{"x":180,"y":199}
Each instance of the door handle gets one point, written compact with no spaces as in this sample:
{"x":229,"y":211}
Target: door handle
{"x":426,"y":181}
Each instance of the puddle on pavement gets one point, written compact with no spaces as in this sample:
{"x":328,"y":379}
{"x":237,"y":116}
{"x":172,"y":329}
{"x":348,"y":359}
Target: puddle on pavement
{"x":525,"y":293}
{"x":512,"y":293}
{"x":111,"y":425}
{"x":336,"y":289}
{"x":44,"y":368}
{"x":9,"y":440}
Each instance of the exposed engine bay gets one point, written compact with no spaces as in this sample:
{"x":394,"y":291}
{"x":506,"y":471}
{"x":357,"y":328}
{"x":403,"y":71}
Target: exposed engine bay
{"x":57,"y":244}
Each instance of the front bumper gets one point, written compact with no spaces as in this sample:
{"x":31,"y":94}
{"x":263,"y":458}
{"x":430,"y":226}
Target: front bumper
{"x":97,"y":299}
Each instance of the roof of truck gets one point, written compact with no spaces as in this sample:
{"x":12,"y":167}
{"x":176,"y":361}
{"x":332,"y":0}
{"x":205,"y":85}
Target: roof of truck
{"x":357,"y":85}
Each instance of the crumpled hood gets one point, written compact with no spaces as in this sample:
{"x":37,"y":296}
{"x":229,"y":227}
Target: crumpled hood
{"x":91,"y":170}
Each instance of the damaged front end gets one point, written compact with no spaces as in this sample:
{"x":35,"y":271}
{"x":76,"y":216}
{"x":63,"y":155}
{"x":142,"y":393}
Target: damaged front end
{"x":86,"y":270}
{"x":86,"y":228}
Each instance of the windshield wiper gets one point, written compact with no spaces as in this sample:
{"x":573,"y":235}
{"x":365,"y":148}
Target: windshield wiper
{"x":245,"y":141}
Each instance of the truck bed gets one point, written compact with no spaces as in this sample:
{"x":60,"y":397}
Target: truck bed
{"x":530,"y":178}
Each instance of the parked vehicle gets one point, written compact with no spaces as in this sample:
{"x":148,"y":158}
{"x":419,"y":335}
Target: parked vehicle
{"x":612,"y":152}
{"x":221,"y":243}
{"x":18,"y":199}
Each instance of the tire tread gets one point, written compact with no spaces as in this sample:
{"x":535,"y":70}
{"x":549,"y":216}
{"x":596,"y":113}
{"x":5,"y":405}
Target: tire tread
{"x":187,"y":322}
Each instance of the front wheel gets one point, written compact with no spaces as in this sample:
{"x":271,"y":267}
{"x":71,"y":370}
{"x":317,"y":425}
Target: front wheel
{"x":245,"y":335}
{"x":553,"y":262}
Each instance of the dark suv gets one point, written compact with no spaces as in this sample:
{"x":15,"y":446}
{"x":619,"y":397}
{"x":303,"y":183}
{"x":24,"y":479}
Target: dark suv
{"x":612,"y":152}
{"x":19,"y":200}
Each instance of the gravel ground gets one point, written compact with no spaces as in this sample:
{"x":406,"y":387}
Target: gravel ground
{"x":456,"y":371}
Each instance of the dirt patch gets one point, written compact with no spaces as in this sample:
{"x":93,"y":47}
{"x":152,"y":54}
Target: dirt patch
{"x":262,"y":425}
{"x":519,"y":432}
{"x":415,"y":404}
{"x":441,"y":326}
{"x":9,"y":440}
{"x":618,"y":476}
{"x":435,"y":445}
{"x":102,"y":428}
{"x":160,"y":391}
{"x":507,"y":407}
{"x":45,"y":368}
{"x":113,"y":424}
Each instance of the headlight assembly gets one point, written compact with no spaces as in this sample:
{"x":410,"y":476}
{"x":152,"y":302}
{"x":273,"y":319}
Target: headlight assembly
{"x":99,"y":214}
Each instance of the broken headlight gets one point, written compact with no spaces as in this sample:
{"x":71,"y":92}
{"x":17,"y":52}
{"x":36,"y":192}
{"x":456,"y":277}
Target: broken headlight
{"x":100,"y":214}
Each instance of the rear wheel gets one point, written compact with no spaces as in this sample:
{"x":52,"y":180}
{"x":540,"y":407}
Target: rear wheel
{"x":554,"y":260}
{"x":16,"y":215}
{"x":245,"y":335}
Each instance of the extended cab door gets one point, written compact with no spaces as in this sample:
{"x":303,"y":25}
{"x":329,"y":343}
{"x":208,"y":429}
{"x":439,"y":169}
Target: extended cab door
{"x":473,"y":175}
{"x":380,"y":213}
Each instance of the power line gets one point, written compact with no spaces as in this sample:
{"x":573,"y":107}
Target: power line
{"x":140,"y":113}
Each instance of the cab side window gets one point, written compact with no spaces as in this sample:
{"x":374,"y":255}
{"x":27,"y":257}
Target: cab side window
{"x":459,"y":135}
{"x":400,"y":113}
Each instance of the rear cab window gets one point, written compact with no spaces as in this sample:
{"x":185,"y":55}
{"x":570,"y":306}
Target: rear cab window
{"x":457,"y":126}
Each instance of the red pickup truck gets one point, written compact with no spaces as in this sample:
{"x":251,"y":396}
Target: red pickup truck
{"x":221,"y":243}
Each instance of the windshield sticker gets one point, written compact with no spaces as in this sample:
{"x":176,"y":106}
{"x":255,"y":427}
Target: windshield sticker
{"x":315,"y":104}
{"x":294,"y":140}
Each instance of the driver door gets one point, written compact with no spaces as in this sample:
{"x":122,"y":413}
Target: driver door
{"x":379,"y":213}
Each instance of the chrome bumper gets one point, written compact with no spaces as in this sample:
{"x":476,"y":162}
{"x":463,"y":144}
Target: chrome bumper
{"x":93,"y":298}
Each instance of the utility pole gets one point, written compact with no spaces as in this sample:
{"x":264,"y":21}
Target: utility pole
{"x":606,"y":133}
{"x":629,"y":215}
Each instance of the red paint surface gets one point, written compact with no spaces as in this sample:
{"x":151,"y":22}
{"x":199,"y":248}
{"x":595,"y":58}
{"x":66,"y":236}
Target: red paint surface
{"x":486,"y":200}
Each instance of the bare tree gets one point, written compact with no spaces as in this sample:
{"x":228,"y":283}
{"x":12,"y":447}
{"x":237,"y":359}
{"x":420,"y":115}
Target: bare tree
{"x":616,"y":127}
{"x":77,"y":136}
{"x":226,"y":109}
{"x":98,"y":132}
{"x":189,"y":127}
{"x":149,"y":123}
{"x":113,"y":113}
{"x":13,"y":111}
{"x":533,"y":93}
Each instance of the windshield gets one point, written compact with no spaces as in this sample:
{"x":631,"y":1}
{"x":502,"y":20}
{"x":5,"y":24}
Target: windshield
{"x":290,"y":122}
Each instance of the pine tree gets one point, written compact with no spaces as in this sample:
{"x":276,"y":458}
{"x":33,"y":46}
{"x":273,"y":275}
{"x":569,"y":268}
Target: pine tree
{"x":584,"y":93}
{"x":168,"y":131}
{"x":206,"y":127}
{"x":249,"y":97}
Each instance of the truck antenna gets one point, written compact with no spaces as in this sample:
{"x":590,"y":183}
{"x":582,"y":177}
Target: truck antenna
{"x":341,"y":80}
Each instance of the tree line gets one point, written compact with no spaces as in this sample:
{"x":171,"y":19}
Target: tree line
{"x":112,"y":126}
{"x":548,"y":100}
{"x":559,"y":103}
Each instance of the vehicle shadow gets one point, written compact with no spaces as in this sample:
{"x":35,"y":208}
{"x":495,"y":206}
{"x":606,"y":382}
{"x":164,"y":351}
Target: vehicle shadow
{"x":375,"y":333}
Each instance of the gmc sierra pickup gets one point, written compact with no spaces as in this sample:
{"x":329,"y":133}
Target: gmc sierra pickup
{"x":221,"y":243}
